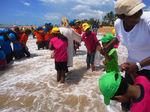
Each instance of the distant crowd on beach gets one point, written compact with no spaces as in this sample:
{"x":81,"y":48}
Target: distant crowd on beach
{"x":13,"y":43}
{"x":13,"y":40}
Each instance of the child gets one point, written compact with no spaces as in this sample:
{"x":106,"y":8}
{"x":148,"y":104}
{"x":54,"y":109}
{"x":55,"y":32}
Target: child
{"x":2,"y":56}
{"x":39,"y":33}
{"x":6,"y":47}
{"x":17,"y":47}
{"x":23,"y":41}
{"x":17,"y":32}
{"x":59,"y":44}
{"x":91,"y":44}
{"x":48,"y":35}
{"x":111,"y":58}
{"x":113,"y":86}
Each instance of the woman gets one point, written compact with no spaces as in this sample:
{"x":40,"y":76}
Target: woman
{"x":133,"y":30}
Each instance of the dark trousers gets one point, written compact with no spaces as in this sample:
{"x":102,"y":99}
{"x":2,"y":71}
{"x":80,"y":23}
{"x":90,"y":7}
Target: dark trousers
{"x":18,"y":54}
{"x":46,"y":44}
{"x":26,"y":51}
{"x":9,"y":57}
{"x":90,"y":58}
{"x":40,"y":45}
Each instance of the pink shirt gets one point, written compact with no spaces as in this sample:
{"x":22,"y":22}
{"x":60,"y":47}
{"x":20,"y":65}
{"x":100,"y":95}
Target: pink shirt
{"x":144,"y":104}
{"x":90,"y":41}
{"x":60,"y":49}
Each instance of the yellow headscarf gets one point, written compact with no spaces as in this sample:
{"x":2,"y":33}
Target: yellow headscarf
{"x":85,"y":26}
{"x":55,"y":30}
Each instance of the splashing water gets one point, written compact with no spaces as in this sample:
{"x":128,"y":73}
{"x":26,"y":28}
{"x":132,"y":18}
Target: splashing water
{"x":29,"y":85}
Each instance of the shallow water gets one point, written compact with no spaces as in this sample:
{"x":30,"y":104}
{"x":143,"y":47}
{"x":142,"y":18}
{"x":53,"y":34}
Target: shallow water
{"x":29,"y":85}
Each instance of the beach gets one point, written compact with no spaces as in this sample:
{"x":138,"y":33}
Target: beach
{"x":29,"y":84}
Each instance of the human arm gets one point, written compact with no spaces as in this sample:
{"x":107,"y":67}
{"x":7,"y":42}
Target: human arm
{"x":132,"y":68}
{"x":107,"y":59}
{"x":110,"y":45}
{"x":76,"y":36}
{"x":112,"y":55}
{"x":145,"y":62}
{"x":95,"y":39}
{"x":51,"y":46}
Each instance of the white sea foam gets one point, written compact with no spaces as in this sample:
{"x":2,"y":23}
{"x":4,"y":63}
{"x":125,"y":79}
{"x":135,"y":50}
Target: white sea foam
{"x":29,"y":85}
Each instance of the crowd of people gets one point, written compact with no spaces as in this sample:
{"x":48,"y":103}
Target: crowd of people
{"x":74,"y":31}
{"x":13,"y":45}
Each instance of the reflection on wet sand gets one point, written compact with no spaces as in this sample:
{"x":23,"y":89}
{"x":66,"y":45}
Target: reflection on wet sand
{"x":48,"y":96}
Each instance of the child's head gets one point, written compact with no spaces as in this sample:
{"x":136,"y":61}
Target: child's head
{"x":107,"y":38}
{"x":39,"y":28}
{"x":113,"y":86}
{"x":72,"y":23}
{"x":55,"y":31}
{"x":77,"y":24}
{"x":16,"y":29}
{"x":27,"y":31}
{"x":64,"y":22}
{"x":86,"y":27}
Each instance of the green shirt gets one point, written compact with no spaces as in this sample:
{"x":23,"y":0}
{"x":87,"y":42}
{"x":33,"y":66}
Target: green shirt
{"x":112,"y":65}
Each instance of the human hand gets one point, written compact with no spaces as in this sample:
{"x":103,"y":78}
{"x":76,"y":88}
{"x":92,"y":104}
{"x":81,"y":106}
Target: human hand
{"x":105,"y":62}
{"x":89,"y":52}
{"x":99,"y":47}
{"x":124,"y":67}
{"x":52,"y":55}
{"x":130,"y":68}
{"x":101,"y":50}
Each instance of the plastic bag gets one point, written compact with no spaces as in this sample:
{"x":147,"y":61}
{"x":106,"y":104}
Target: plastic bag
{"x":98,"y":58}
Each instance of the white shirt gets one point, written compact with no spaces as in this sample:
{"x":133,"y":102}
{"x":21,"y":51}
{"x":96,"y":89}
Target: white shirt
{"x":137,"y":40}
{"x":71,"y":35}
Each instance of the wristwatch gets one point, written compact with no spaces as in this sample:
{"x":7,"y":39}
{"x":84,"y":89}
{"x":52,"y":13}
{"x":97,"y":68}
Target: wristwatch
{"x":139,"y":66}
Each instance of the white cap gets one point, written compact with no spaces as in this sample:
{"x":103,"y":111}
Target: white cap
{"x":128,"y":7}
